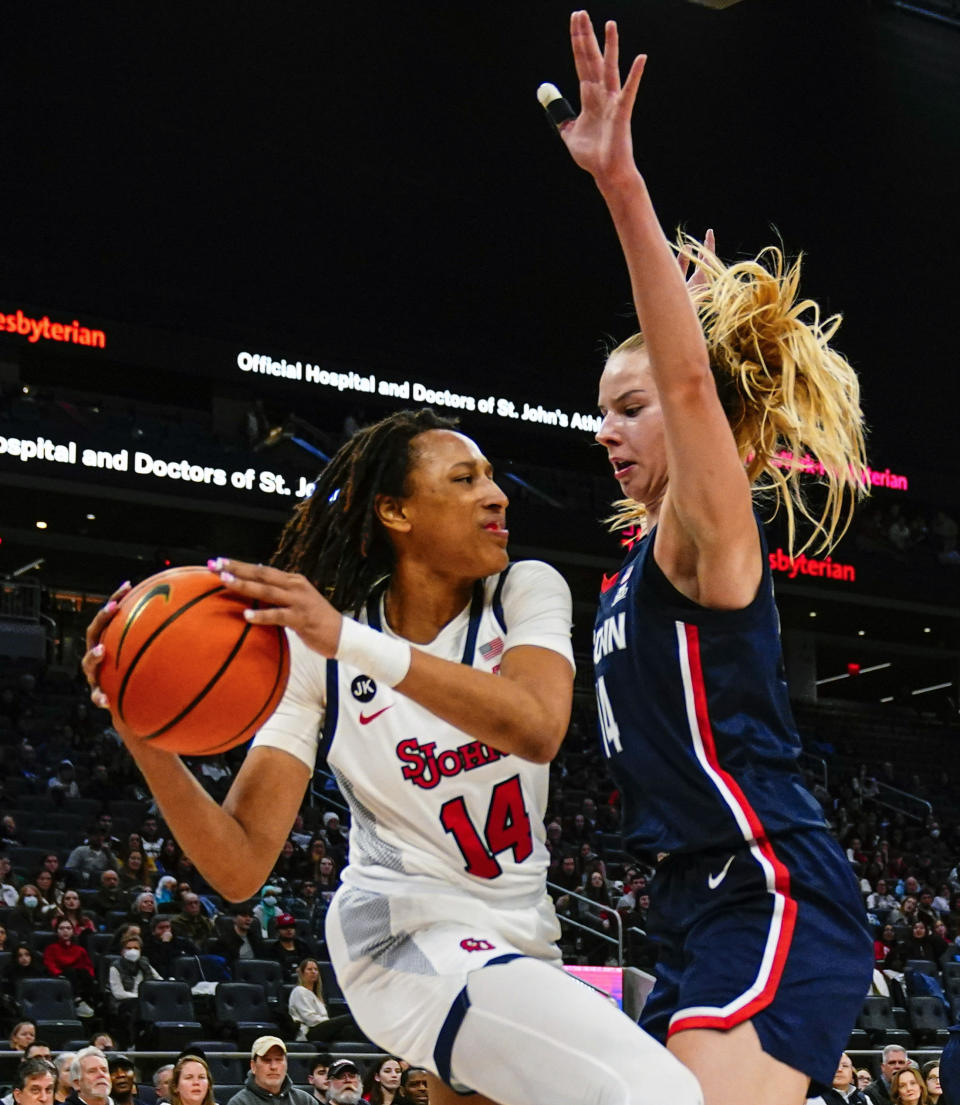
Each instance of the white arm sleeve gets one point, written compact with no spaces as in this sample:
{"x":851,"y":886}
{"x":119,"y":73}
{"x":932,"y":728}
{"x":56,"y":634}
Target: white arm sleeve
{"x":294,"y":726}
{"x":537,"y":608}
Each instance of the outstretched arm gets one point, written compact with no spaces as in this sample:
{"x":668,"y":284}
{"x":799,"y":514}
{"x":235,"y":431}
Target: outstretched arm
{"x":707,"y":514}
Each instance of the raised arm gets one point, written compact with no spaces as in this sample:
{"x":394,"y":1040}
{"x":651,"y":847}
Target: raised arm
{"x":707,"y":513}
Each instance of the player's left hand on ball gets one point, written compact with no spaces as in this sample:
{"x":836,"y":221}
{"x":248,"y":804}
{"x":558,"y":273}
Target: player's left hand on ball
{"x":94,"y":655}
{"x":285,"y":598}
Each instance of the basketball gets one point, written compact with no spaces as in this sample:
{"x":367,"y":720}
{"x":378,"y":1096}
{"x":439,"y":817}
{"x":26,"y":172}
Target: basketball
{"x":184,"y":670}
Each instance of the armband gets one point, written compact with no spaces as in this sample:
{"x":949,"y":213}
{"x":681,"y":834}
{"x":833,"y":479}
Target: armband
{"x":385,"y":659}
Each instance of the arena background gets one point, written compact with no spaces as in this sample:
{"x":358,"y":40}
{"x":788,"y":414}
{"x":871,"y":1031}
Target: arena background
{"x":374,"y":191}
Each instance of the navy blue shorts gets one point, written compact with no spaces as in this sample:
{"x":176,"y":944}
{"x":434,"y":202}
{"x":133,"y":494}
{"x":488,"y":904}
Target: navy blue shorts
{"x":774,"y":933}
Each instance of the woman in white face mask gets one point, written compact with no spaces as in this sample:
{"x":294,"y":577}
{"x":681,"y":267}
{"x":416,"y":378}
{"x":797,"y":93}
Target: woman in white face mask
{"x":124,"y":979}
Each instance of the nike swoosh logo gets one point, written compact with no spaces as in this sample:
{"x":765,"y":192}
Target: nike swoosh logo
{"x":607,"y":582}
{"x":365,"y":719}
{"x":158,"y":589}
{"x":713,"y":881}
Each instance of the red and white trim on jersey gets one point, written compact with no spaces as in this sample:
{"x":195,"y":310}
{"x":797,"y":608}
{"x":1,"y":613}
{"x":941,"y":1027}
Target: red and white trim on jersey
{"x":777,"y":877}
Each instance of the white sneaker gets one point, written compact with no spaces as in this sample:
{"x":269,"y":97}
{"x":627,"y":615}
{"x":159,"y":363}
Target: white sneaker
{"x":82,"y":1009}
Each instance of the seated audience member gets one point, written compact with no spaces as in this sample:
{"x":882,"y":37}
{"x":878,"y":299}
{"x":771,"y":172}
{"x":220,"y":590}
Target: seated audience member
{"x":63,"y":1087}
{"x":344,"y":1086}
{"x":166,"y":892}
{"x":22,"y":1035}
{"x":238,"y":936}
{"x":69,"y":910}
{"x":150,"y":837}
{"x":135,"y":876}
{"x":310,"y":865}
{"x":124,"y":980}
{"x":144,"y":909}
{"x":268,"y":1079}
{"x":104,"y":1041}
{"x":317,"y":1078}
{"x":109,"y":898}
{"x":61,"y":878}
{"x":31,"y":913}
{"x":63,"y":783}
{"x":414,"y":1086}
{"x":382,"y":1083}
{"x":930,"y":1072}
{"x":883,"y":944}
{"x":191,"y":922}
{"x":191,"y":1082}
{"x":162,"y":1079}
{"x":880,"y":901}
{"x":908,"y":1088}
{"x":289,"y":949}
{"x":24,"y":963}
{"x":923,"y":944}
{"x":308,"y":1011}
{"x":105,"y":821}
{"x":299,"y":835}
{"x":123,"y":1080}
{"x":4,"y":936}
{"x":844,"y":1090}
{"x":338,"y":838}
{"x":91,"y":859}
{"x":34,"y":1081}
{"x":328,"y":878}
{"x":162,"y":947}
{"x":9,"y":894}
{"x":905,"y":914}
{"x":47,"y":889}
{"x":864,"y":1078}
{"x":893,"y":1059}
{"x":65,"y":958}
{"x":268,"y":909}
{"x":289,"y":862}
{"x":168,"y":857}
{"x":91,"y":1078}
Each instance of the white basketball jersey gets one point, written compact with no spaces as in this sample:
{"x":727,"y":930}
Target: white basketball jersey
{"x":430,"y":803}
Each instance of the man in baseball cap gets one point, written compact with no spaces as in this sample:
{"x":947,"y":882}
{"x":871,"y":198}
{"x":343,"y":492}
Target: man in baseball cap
{"x":289,"y":949}
{"x":344,"y":1086}
{"x":268,"y":1081}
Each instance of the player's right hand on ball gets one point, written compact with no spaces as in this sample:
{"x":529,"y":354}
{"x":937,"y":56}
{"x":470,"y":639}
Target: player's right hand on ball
{"x":93,"y":657}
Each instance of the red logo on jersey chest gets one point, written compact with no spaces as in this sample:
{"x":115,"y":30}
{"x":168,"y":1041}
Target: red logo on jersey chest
{"x":473,"y":945}
{"x":423,"y":767}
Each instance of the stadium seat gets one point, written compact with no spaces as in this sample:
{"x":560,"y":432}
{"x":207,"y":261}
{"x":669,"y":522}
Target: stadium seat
{"x":166,"y":1011}
{"x":924,"y":966}
{"x":859,"y":1040}
{"x":39,"y":940}
{"x":877,"y":1019}
{"x":928,"y":1020}
{"x":242,"y":1006}
{"x":267,"y":972}
{"x":223,"y":1070}
{"x":49,"y":1002}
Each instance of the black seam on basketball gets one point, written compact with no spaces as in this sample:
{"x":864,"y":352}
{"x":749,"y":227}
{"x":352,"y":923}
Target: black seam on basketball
{"x":203,"y":693}
{"x":153,"y":636}
{"x":228,"y":743}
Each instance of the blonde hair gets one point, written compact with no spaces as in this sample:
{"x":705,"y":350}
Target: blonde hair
{"x":792,"y":401}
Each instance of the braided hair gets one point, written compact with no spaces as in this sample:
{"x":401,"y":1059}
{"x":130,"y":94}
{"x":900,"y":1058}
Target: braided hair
{"x":335,"y":538}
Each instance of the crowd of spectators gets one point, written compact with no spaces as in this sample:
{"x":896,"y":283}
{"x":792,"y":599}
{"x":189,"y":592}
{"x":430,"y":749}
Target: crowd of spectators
{"x":111,"y":900}
{"x":95,"y":1075}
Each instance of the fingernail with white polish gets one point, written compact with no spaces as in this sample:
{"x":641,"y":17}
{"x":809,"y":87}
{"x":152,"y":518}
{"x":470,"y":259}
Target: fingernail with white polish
{"x":248,"y":614}
{"x":228,"y":577}
{"x":98,"y":650}
{"x":215,"y":564}
{"x":110,"y":607}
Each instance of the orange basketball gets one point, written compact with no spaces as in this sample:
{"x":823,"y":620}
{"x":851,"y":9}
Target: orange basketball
{"x":183,"y":669}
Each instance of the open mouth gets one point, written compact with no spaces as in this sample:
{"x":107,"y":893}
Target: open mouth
{"x":621,"y":467}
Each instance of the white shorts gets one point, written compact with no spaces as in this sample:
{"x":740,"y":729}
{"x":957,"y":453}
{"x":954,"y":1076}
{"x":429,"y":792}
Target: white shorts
{"x":402,"y":960}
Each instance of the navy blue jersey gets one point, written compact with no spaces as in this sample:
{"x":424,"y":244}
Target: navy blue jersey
{"x":694,"y":714}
